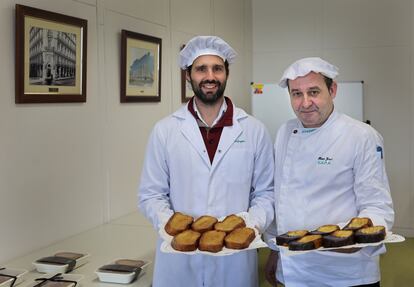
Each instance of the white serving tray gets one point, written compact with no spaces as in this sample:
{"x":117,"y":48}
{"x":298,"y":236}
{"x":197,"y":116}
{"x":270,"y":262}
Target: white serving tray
{"x":123,"y":278}
{"x":389,"y":238}
{"x":58,"y":268}
{"x":19,"y":273}
{"x":71,"y":277}
{"x":256,"y":243}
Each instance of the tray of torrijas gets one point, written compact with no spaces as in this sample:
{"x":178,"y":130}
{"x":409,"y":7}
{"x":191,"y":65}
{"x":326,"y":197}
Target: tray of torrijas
{"x":209,"y":235}
{"x":358,"y":232}
{"x":60,"y":262}
{"x":11,"y":276}
{"x":57,"y":280}
{"x":122,"y":271}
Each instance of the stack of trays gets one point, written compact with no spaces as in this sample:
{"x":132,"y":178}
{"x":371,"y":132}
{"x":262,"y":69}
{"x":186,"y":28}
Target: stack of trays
{"x":61,"y":262}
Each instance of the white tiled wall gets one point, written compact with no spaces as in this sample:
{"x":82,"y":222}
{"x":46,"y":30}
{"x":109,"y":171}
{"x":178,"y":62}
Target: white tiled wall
{"x":65,"y":168}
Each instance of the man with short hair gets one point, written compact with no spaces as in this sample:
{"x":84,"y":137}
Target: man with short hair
{"x":207,"y":158}
{"x":329,"y":169}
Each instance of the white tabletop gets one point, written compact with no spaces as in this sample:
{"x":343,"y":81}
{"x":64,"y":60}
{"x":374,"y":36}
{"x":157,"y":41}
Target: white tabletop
{"x":130,"y":237}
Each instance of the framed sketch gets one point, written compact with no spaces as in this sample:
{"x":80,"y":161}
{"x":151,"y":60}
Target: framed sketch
{"x":50,"y":57}
{"x":186,"y":91}
{"x":140,"y":67}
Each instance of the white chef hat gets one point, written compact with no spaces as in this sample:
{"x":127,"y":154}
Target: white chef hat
{"x":206,"y":45}
{"x":304,"y":66}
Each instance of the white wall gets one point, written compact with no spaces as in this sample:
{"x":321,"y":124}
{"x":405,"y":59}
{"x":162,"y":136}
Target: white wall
{"x":65,"y":168}
{"x":369,"y":40}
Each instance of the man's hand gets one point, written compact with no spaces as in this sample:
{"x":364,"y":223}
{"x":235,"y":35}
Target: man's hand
{"x":271,"y":266}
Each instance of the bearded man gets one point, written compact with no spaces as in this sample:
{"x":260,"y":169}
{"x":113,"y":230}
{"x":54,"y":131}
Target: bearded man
{"x":207,"y":158}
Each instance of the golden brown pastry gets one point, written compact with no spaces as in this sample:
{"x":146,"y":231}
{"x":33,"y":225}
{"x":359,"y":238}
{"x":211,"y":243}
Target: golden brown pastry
{"x":186,"y":240}
{"x":177,"y":223}
{"x":204,"y":223}
{"x":230,"y":223}
{"x":212,"y":241}
{"x":239,"y":238}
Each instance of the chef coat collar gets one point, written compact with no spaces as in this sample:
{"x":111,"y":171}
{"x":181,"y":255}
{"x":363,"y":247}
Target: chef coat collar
{"x":304,"y":131}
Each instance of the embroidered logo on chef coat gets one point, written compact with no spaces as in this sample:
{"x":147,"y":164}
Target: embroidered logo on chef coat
{"x":240,"y":140}
{"x":308,"y":131}
{"x":325,"y":160}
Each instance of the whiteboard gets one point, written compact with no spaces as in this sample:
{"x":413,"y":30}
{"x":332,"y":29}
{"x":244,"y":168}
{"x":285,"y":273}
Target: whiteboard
{"x":271,"y":103}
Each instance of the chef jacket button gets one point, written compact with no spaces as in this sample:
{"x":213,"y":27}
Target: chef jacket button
{"x":295,"y":131}
{"x":204,"y":151}
{"x":219,"y":150}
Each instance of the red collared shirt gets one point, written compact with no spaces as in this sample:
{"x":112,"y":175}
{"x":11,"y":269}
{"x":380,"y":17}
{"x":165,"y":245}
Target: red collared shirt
{"x":211,"y":135}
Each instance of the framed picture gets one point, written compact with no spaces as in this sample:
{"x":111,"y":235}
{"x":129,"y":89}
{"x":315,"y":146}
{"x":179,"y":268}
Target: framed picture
{"x":50,"y":57}
{"x":186,"y":91}
{"x":140,"y":68}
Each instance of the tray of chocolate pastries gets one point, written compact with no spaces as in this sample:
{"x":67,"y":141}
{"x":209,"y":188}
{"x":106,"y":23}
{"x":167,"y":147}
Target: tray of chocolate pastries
{"x":60,"y":262}
{"x":358,"y":232}
{"x":123,"y":271}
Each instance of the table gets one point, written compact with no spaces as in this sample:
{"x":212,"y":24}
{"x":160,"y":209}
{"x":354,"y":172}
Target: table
{"x":130,"y":236}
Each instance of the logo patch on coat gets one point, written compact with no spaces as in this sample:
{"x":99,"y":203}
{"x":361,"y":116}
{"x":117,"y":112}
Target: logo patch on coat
{"x":240,"y":140}
{"x":325,"y":160}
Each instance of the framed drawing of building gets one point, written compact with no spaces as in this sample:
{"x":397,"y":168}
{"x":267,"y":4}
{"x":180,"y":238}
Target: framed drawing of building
{"x":51,"y":52}
{"x":140,"y":67}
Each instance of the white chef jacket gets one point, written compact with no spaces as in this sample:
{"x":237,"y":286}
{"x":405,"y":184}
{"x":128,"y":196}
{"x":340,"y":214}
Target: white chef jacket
{"x":328,"y":175}
{"x":177,"y":175}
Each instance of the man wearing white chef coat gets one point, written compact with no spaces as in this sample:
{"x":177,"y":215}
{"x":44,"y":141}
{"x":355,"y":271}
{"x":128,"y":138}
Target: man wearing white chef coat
{"x":329,"y":168}
{"x":207,"y":158}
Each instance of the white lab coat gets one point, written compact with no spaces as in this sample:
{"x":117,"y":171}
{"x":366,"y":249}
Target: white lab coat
{"x":177,"y":175}
{"x":327,"y":176}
